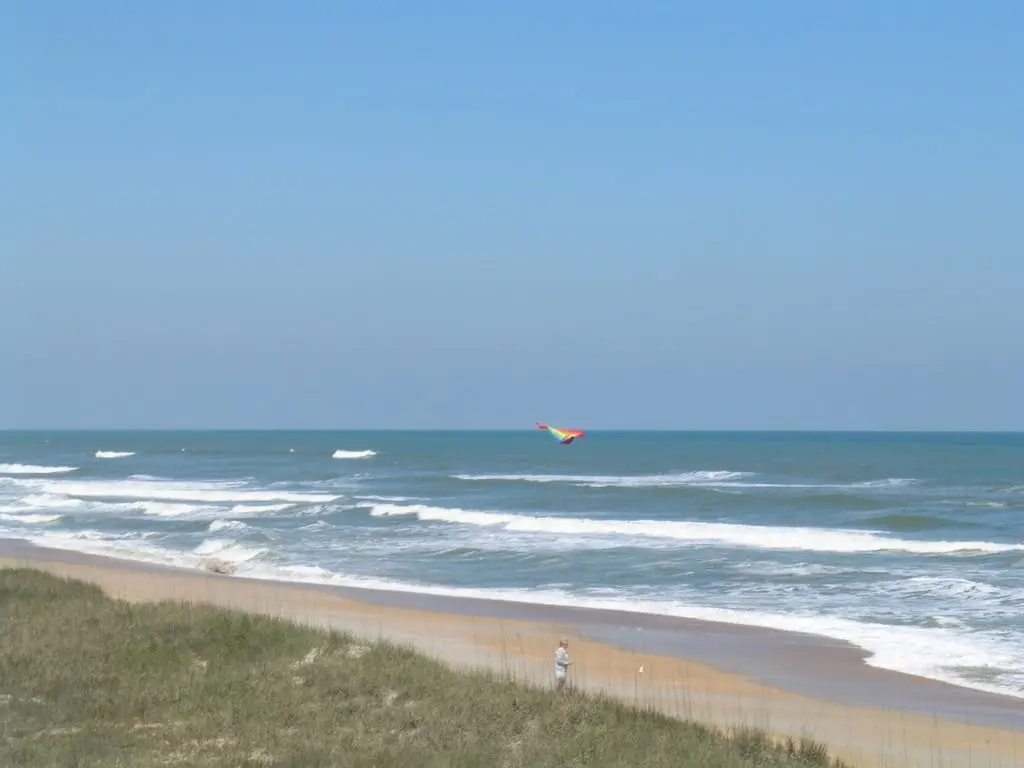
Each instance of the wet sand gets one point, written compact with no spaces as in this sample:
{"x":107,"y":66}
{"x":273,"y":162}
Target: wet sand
{"x":788,"y":683}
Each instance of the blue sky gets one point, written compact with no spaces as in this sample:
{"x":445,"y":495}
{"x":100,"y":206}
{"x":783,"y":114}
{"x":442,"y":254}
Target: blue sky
{"x":794,"y":215}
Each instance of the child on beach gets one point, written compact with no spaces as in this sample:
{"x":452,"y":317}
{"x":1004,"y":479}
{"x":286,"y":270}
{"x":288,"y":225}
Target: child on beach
{"x":562,"y":662}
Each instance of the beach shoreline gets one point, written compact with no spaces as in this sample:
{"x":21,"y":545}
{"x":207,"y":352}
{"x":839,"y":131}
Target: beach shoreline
{"x":722,"y":674}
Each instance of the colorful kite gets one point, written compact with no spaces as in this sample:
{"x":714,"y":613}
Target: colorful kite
{"x":563,"y":436}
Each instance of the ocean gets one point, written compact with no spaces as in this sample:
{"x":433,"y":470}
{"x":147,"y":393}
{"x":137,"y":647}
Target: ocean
{"x":906,"y":545}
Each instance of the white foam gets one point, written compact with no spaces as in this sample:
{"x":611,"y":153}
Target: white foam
{"x":227,"y":525}
{"x":715,"y":479}
{"x":727,"y":534}
{"x":258,"y":509}
{"x":769,"y":568}
{"x":342,"y":454}
{"x":113,"y":454}
{"x":50,"y":501}
{"x":30,"y":519}
{"x":168,"y":509}
{"x":199,"y":512}
{"x":33,"y":469}
{"x":179,"y":491}
{"x":991,"y":598}
{"x":615,"y":481}
{"x":128,"y":546}
{"x":134,"y":546}
{"x":228,"y":550}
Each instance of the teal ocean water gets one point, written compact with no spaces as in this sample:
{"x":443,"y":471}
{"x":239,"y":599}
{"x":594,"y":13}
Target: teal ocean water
{"x":907,"y":545}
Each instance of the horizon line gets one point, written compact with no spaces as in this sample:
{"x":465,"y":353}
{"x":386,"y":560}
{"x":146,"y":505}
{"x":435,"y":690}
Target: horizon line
{"x":705,"y":430}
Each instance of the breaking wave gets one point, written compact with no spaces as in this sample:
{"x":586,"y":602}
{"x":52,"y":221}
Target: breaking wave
{"x":342,"y":454}
{"x":698,"y":479}
{"x":616,"y":481}
{"x":720,"y":534}
{"x":184,"y":491}
{"x":33,"y":469}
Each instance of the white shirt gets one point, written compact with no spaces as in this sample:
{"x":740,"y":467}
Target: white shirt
{"x":561,"y":661}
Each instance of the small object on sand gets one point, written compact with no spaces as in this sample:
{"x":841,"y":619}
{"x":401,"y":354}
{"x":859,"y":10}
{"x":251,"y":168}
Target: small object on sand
{"x":641,"y":669}
{"x":218,"y":566}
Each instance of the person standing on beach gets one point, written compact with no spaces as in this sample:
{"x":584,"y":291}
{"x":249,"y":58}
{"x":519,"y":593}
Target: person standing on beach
{"x":562,"y":663}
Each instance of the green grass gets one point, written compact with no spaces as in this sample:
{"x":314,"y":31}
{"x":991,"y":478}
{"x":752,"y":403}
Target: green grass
{"x":90,"y":681}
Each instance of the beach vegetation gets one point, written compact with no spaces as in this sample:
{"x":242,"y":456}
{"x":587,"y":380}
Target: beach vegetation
{"x":86,"y":680}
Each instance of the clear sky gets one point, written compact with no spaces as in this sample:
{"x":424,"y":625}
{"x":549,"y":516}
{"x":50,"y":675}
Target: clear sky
{"x":794,"y":215}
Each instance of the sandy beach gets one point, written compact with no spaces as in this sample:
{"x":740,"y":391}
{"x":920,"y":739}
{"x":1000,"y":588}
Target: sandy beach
{"x":728,"y":675}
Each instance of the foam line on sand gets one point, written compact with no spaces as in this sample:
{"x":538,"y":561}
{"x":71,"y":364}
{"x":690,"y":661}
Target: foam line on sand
{"x":523,"y":647}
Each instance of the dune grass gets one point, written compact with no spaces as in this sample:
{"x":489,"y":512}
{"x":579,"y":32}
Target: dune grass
{"x":90,"y":681}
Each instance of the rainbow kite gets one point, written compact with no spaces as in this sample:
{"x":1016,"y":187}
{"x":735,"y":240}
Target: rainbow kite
{"x":563,"y":436}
